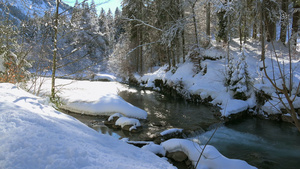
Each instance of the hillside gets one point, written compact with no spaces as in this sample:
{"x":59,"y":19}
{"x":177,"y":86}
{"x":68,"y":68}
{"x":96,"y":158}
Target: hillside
{"x":22,"y":10}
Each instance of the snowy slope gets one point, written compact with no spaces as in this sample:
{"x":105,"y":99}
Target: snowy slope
{"x":34,"y":135}
{"x":23,"y":9}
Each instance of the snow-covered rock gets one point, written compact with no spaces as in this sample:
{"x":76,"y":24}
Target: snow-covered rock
{"x":114,"y":115}
{"x":154,"y":148}
{"x":125,"y":121}
{"x":170,"y":131}
{"x":210,"y":159}
{"x":34,"y":135}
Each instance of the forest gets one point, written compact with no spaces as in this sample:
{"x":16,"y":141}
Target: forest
{"x":142,"y":35}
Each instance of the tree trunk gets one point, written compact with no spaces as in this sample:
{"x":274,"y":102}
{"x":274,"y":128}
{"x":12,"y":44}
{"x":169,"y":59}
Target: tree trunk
{"x":245,"y":31}
{"x":262,"y":31}
{"x":270,"y":24}
{"x":141,"y":52}
{"x":228,"y":35}
{"x":241,"y":34}
{"x":169,"y":58}
{"x":295,"y":25}
{"x":183,"y":45}
{"x":195,"y":26}
{"x":208,"y":21}
{"x":54,"y":52}
{"x":182,"y":36}
{"x":254,"y":34}
{"x":284,"y":20}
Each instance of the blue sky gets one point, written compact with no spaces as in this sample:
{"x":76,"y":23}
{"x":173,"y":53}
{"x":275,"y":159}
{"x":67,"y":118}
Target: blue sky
{"x":112,"y":4}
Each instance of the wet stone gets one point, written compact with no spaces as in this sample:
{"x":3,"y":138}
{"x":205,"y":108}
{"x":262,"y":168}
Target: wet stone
{"x":177,"y":156}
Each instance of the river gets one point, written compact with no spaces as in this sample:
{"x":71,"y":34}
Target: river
{"x":262,"y":143}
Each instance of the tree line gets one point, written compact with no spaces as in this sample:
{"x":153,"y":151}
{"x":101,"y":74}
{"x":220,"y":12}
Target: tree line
{"x":162,"y":32}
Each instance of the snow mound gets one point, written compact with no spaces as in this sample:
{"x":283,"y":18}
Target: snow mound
{"x":34,"y":135}
{"x":123,"y":121}
{"x":114,"y":115}
{"x":93,"y":98}
{"x":170,"y":131}
{"x":154,"y":148}
{"x":104,"y":77}
{"x":211,"y":157}
{"x":107,"y":105}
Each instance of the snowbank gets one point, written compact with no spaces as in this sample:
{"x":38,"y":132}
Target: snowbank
{"x":154,"y":148}
{"x":34,"y":135}
{"x":210,"y":159}
{"x":211,"y":84}
{"x":93,"y":98}
{"x":104,"y":77}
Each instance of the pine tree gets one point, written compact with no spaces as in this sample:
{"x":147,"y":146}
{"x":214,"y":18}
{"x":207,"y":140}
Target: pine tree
{"x":240,"y":80}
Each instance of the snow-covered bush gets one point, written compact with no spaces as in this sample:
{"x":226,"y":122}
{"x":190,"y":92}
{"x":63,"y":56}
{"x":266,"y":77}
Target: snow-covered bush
{"x":240,"y":81}
{"x":229,"y":71}
{"x":237,"y":78}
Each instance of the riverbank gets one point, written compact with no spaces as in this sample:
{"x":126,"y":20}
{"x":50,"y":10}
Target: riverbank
{"x":210,"y":85}
{"x":35,"y":135}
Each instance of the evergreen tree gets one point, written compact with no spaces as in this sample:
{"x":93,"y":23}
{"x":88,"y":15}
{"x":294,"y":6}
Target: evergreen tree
{"x":240,"y":80}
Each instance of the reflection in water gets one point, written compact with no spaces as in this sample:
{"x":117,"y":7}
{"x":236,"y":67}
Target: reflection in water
{"x":262,"y":143}
{"x":169,"y":112}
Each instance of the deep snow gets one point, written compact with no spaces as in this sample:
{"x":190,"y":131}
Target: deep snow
{"x":211,"y":158}
{"x":212,"y":83}
{"x":91,"y":97}
{"x":34,"y":135}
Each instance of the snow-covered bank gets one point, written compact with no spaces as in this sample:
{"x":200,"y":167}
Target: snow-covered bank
{"x":210,"y":84}
{"x":93,"y":97}
{"x":34,"y":135}
{"x":210,"y":157}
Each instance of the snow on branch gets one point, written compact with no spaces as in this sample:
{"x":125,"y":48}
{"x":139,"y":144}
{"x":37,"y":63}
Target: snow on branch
{"x":141,"y":46}
{"x":143,"y":23}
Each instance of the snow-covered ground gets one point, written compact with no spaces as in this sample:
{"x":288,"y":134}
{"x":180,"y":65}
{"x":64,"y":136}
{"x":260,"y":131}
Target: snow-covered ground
{"x":34,"y":135}
{"x":212,"y":83}
{"x":211,"y":158}
{"x":93,"y":98}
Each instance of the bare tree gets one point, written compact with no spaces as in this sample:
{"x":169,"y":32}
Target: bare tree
{"x":54,"y":51}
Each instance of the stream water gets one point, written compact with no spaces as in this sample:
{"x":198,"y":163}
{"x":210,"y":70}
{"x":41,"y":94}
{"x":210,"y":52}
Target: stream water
{"x":262,"y":143}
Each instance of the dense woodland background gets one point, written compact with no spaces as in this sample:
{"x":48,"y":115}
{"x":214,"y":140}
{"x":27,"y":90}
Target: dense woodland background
{"x":141,"y":36}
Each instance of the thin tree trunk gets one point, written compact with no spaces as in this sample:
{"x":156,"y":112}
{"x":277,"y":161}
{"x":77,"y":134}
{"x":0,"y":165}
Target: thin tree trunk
{"x":254,"y":35}
{"x":284,"y":19}
{"x":208,"y":21}
{"x":241,"y":34}
{"x":54,"y":52}
{"x":169,"y":58}
{"x":296,"y":18}
{"x":262,"y":31}
{"x":245,"y":32}
{"x":195,"y":25}
{"x":183,"y":45}
{"x":182,"y":36}
{"x":228,"y":35}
